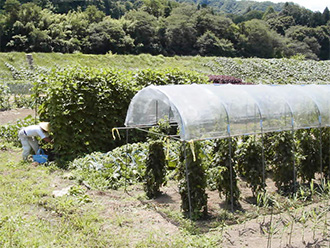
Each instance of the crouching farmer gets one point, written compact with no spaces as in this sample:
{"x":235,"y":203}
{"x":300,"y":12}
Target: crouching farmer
{"x":27,"y":136}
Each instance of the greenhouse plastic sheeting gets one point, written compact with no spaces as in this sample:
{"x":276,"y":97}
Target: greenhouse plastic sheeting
{"x":211,"y":111}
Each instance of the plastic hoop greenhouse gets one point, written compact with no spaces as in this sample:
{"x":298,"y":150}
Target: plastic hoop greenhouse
{"x":219,"y":111}
{"x":213,"y":111}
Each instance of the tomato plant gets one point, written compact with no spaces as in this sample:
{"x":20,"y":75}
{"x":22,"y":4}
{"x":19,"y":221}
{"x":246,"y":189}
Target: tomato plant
{"x":250,"y":163}
{"x":221,"y":173}
{"x":308,"y":143}
{"x":192,"y":181}
{"x":155,"y":169}
{"x":282,"y":156}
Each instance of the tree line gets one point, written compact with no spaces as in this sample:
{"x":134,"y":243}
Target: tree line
{"x":163,"y":27}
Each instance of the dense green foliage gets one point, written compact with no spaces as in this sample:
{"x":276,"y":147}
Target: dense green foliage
{"x":222,"y":173}
{"x":253,"y":70}
{"x":4,"y":97}
{"x":268,"y":71}
{"x":163,"y":27}
{"x":192,"y":181}
{"x":281,"y":153}
{"x":251,"y":164}
{"x":155,"y":169}
{"x":309,"y":145}
{"x":84,"y":104}
{"x":122,"y":166}
{"x":9,"y":132}
{"x":325,"y":150}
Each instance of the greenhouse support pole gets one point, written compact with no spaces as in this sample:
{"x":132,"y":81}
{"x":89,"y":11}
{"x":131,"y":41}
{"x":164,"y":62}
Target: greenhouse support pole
{"x":230,"y":168}
{"x":320,"y":142}
{"x":187,"y":178}
{"x":125,"y":187}
{"x":263,"y":156}
{"x":231,"y":176}
{"x":294,"y":159}
{"x":156,"y":112}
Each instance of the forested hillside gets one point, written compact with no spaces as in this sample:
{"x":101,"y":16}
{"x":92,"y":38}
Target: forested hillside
{"x":164,"y":27}
{"x":236,"y":7}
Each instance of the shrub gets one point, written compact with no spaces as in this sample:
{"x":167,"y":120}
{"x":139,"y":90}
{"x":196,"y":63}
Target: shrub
{"x":83,"y":105}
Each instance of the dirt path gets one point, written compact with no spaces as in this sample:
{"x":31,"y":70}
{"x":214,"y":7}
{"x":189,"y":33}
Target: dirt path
{"x":11,"y":116}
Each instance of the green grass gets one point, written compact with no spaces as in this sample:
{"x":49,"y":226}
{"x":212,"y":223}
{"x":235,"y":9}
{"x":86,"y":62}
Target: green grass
{"x":31,"y":217}
{"x":127,"y":62}
{"x":254,"y":70}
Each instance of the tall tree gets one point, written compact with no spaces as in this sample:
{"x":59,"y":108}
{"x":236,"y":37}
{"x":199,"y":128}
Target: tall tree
{"x":210,"y":45}
{"x":181,"y":35}
{"x":326,"y":15}
{"x":108,"y":35}
{"x":142,"y":27}
{"x":12,"y":8}
{"x":258,"y":39}
{"x":300,"y":15}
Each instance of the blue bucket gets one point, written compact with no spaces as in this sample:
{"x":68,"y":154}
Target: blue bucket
{"x":40,"y":157}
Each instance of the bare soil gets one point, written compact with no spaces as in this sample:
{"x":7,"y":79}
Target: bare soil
{"x":260,"y":231}
{"x":11,"y":116}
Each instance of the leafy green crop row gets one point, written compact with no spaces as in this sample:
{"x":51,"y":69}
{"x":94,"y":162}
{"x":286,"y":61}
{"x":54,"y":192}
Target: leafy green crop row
{"x":114,"y":169}
{"x":273,"y":71}
{"x":9,"y":132}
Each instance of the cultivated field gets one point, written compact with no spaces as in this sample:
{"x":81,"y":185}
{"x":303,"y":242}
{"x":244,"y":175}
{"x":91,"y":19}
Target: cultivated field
{"x":48,"y":206}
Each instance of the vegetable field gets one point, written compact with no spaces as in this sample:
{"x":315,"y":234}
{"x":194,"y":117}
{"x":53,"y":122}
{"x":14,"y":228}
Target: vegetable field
{"x":132,"y":188}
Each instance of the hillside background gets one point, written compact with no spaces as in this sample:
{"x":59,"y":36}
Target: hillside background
{"x":159,"y":27}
